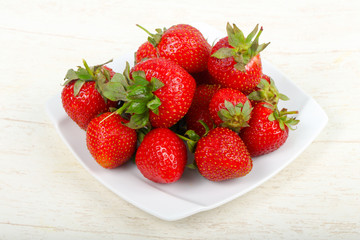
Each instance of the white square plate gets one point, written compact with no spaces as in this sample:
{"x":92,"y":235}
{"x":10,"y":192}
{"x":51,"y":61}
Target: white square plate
{"x":193,"y":193}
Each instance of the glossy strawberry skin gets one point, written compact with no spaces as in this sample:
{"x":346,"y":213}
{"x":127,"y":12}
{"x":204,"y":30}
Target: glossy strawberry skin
{"x":109,"y":141}
{"x":199,"y":109}
{"x":86,"y":105}
{"x":263,"y":136}
{"x":161,"y":156}
{"x":218,"y":100}
{"x":227,"y":75}
{"x":182,"y":44}
{"x":222,"y":155}
{"x":146,"y":50}
{"x":177,"y":93}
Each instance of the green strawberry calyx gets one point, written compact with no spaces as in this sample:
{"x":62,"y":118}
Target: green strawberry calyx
{"x":282,"y":116}
{"x":191,"y":138}
{"x":136,"y":93}
{"x":235,"y":117}
{"x":154,"y":39}
{"x":267,"y":92}
{"x":242,"y":49}
{"x":85,"y":74}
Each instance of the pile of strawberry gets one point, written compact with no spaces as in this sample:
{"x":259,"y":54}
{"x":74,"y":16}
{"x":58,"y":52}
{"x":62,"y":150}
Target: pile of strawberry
{"x":181,"y":90}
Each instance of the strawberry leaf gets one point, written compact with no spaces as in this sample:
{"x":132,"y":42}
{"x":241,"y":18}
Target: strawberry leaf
{"x":111,"y":91}
{"x":223,"y":53}
{"x":271,"y":117}
{"x":251,"y":35}
{"x":283,"y":97}
{"x":83,"y":74}
{"x":282,"y":126}
{"x":137,"y":107}
{"x":137,"y":92}
{"x":138,"y":120}
{"x":224,"y":115}
{"x":246,"y":111}
{"x":154,"y":104}
{"x":156,"y":84}
{"x":235,"y":35}
{"x":230,"y":107}
{"x":139,"y":75}
{"x":77,"y":86}
{"x":71,"y":75}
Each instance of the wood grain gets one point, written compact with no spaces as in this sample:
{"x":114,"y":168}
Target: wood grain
{"x":46,"y":194}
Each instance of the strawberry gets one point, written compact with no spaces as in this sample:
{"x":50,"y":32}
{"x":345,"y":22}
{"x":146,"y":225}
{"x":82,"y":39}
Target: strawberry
{"x":109,"y":141}
{"x":81,"y":96}
{"x":222,"y":155}
{"x":230,"y":108}
{"x":268,"y":129}
{"x":181,"y":43}
{"x":199,"y":109}
{"x":145,"y":51}
{"x":235,"y":60}
{"x":161,"y":156}
{"x":175,"y":95}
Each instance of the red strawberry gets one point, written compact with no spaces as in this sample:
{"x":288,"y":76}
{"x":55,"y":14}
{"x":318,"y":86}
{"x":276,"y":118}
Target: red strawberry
{"x":109,"y":141}
{"x":268,"y":129}
{"x":199,"y":109}
{"x":235,"y":61}
{"x":204,"y":93}
{"x":230,"y":108}
{"x":145,"y":51}
{"x":81,"y":97}
{"x":222,"y":155}
{"x":181,"y":43}
{"x":175,"y":96}
{"x":161,"y":156}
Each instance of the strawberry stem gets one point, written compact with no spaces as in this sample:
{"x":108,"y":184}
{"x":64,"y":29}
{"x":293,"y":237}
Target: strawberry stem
{"x":88,"y":68}
{"x":123,"y":108}
{"x":119,"y":111}
{"x":150,"y":34}
{"x":282,"y":113}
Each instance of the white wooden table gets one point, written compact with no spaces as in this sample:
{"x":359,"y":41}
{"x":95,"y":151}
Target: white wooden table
{"x":46,"y":194}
